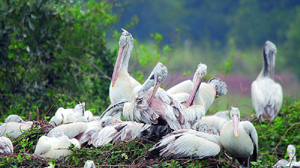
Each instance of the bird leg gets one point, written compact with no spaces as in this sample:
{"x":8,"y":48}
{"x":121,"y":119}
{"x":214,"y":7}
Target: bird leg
{"x":248,"y":161}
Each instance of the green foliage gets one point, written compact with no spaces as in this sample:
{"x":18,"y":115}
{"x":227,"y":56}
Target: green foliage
{"x":292,"y":50}
{"x":51,"y":49}
{"x":272,"y":137}
{"x":283,"y":131}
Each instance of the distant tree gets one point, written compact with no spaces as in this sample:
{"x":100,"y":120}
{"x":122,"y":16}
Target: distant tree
{"x":49,"y":48}
{"x":292,"y":45}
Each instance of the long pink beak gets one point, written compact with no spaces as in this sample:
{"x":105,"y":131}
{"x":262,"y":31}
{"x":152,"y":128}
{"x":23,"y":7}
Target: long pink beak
{"x":291,"y":156}
{"x":117,"y":66}
{"x":193,"y":93}
{"x":157,"y":85}
{"x":235,"y":126}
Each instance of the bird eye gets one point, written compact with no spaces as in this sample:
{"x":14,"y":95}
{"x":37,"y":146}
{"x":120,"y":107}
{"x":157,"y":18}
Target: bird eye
{"x":152,"y":77}
{"x":159,"y":78}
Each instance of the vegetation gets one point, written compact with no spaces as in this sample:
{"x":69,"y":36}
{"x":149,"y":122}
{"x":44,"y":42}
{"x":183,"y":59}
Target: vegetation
{"x":273,"y":141}
{"x":54,"y":54}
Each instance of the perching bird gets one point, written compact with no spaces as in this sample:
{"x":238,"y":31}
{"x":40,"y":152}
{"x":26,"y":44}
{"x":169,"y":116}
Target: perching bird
{"x":63,"y":116}
{"x":266,"y":94}
{"x":186,"y":143}
{"x":54,"y":147}
{"x":239,"y":138}
{"x":6,"y":145}
{"x":291,"y":150}
{"x":14,"y":129}
{"x":122,"y":84}
{"x":155,"y":106}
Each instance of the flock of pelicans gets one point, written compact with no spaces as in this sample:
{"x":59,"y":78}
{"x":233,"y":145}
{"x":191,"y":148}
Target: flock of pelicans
{"x":176,"y":115}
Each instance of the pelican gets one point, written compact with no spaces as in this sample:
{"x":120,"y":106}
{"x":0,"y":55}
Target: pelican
{"x":188,"y":143}
{"x":16,"y":118}
{"x":155,"y":106}
{"x":89,"y":164}
{"x":119,"y":131}
{"x":122,"y":84}
{"x":201,"y":97}
{"x":239,"y":138}
{"x":6,"y":145}
{"x":13,"y":129}
{"x":266,"y":94}
{"x":63,"y":116}
{"x":291,"y":150}
{"x":53,"y":147}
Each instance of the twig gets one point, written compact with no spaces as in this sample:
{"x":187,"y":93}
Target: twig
{"x":37,"y":115}
{"x":297,"y":123}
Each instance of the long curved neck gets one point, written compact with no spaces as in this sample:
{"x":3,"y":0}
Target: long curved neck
{"x":266,"y":65}
{"x":125,"y":62}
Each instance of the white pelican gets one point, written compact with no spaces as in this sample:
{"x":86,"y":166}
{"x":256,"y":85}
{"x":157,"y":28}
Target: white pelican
{"x":155,"y":106}
{"x":239,"y":138}
{"x":6,"y":145}
{"x":14,"y":129}
{"x":266,"y":94}
{"x":201,"y":97}
{"x":16,"y":118}
{"x":89,"y":164}
{"x":291,"y":150}
{"x":188,"y":143}
{"x":53,"y":147}
{"x":122,"y":84}
{"x":63,"y":116}
{"x":119,"y":131}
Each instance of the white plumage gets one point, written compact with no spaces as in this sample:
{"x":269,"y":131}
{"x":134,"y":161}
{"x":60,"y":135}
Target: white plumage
{"x":122,"y":84}
{"x":54,"y":147}
{"x":6,"y":145}
{"x":239,"y":138}
{"x":266,"y":94}
{"x":188,"y":143}
{"x":14,"y":129}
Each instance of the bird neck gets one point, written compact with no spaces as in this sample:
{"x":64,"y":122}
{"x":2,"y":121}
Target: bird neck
{"x":125,"y":62}
{"x":266,"y":65}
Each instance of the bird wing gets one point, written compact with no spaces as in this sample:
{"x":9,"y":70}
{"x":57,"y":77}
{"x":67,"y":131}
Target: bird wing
{"x":183,"y":87}
{"x":266,"y":97}
{"x":250,"y":129}
{"x":114,"y":109}
{"x":43,"y":145}
{"x":6,"y":145}
{"x":174,"y":113}
{"x":175,"y":146}
{"x":71,"y":129}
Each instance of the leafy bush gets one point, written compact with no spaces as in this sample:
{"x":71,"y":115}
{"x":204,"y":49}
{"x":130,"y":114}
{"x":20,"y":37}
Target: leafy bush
{"x":51,"y":50}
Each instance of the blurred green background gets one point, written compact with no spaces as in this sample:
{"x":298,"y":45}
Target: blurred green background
{"x":56,"y":53}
